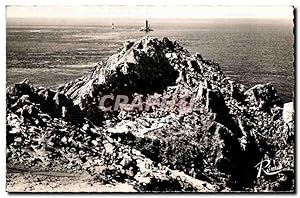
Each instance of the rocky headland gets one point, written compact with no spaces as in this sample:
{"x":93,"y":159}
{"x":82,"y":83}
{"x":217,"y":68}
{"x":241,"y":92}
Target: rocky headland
{"x":204,"y":132}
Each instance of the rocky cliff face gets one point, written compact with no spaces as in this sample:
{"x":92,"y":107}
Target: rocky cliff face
{"x":213,"y":146}
{"x":140,"y":67}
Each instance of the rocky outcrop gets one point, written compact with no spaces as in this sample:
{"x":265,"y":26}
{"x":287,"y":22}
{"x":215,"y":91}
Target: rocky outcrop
{"x":263,"y":96}
{"x":28,"y":101}
{"x":201,"y":125}
{"x":140,"y":67}
{"x":288,"y":112}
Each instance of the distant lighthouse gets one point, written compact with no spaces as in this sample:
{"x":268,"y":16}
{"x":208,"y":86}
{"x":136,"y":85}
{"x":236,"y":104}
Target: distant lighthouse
{"x":147,"y":27}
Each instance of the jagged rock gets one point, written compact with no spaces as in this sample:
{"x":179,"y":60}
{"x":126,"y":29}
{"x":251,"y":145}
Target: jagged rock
{"x":64,"y":140}
{"x":94,"y":142}
{"x":18,"y":139}
{"x":237,"y":91}
{"x":134,"y":69}
{"x":215,"y":102}
{"x":288,"y":112}
{"x":263,"y":96}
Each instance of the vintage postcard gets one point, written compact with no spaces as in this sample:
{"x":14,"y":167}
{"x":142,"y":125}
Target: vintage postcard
{"x":150,"y":99}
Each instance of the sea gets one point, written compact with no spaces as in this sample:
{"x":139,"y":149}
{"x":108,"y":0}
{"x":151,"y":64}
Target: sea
{"x":51,"y":52}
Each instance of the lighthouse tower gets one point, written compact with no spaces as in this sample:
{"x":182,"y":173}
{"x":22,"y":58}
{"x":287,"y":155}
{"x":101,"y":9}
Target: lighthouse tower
{"x":146,"y":28}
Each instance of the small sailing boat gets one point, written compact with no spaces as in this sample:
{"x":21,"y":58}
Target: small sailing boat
{"x":113,"y":26}
{"x":147,"y":27}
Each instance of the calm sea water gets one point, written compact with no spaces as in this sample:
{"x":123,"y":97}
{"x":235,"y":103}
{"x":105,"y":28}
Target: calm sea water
{"x":248,"y":51}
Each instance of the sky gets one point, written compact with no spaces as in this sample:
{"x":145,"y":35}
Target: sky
{"x":131,"y":11}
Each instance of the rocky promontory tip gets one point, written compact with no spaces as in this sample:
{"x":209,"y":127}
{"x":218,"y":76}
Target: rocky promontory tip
{"x":157,"y":118}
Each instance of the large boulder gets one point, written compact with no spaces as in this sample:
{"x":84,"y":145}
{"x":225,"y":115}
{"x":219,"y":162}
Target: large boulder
{"x":288,"y":112}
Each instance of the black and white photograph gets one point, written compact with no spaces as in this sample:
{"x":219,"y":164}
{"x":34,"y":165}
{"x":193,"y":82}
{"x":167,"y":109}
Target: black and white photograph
{"x":150,"y":99}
